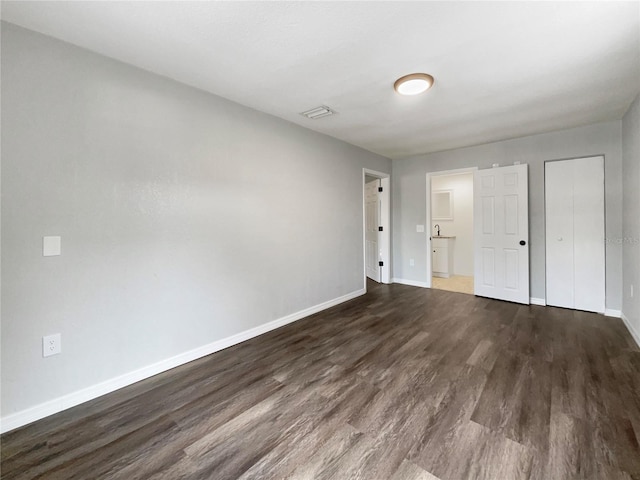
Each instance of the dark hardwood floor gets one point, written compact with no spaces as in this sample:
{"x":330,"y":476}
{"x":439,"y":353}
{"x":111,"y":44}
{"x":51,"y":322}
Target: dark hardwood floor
{"x":402,"y":383}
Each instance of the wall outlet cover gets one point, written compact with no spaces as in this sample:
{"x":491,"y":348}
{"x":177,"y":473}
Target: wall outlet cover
{"x":51,"y":345}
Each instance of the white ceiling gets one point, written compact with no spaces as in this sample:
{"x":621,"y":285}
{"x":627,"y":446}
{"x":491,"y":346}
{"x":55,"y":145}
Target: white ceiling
{"x":502,"y":69}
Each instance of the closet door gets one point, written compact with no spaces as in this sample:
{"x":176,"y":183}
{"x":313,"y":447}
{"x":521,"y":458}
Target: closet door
{"x":589,"y":234}
{"x":574,"y":213}
{"x":559,"y":233}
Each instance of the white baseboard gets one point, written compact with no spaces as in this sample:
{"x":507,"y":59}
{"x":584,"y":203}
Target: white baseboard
{"x":634,"y":334}
{"x":538,"y":301}
{"x":411,"y":283}
{"x":608,"y":312}
{"x":18,"y":419}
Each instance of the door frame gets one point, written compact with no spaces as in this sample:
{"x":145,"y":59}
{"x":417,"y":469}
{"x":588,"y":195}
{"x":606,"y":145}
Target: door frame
{"x":384,"y":237}
{"x":430,"y":175}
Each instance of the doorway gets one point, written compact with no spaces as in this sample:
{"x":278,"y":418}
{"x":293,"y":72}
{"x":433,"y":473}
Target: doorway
{"x":450,"y":230}
{"x":376,"y":226}
{"x":500,"y":231}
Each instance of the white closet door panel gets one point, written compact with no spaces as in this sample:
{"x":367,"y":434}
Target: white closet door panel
{"x":559,"y":233}
{"x":589,"y":232}
{"x":575,"y":230}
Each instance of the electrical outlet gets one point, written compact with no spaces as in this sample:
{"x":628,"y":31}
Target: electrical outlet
{"x":51,"y":345}
{"x":411,"y":262}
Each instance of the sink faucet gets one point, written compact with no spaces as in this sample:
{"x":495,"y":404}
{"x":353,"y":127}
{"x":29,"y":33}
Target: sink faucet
{"x":437,"y":227}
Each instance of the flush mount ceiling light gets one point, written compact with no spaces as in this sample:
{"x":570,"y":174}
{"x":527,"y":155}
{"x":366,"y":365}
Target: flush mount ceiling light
{"x":413,"y":84}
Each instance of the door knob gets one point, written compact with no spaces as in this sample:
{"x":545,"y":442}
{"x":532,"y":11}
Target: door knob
{"x":522,"y":242}
{"x":559,"y":239}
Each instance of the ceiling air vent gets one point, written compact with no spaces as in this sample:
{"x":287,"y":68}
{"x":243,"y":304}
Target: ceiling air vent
{"x":318,"y":112}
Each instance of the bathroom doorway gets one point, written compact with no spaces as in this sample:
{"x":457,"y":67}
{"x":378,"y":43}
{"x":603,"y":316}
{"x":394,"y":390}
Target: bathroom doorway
{"x":450,"y":230}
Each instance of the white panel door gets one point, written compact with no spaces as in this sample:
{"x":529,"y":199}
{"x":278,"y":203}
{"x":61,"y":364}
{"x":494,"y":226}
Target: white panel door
{"x":372,"y":222}
{"x":575,"y":230}
{"x":501,"y":233}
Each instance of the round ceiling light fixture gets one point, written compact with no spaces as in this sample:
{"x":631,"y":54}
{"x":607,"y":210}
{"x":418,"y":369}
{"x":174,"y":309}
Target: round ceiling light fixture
{"x":413,"y":84}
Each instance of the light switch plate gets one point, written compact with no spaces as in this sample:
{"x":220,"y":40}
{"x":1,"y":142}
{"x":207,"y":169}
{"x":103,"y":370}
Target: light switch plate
{"x":420,"y":228}
{"x":51,"y":246}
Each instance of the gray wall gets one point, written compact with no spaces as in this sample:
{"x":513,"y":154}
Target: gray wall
{"x":409,"y":190}
{"x":631,"y":214}
{"x":185,"y":218}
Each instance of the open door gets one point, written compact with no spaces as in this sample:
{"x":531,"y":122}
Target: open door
{"x":501,"y":233}
{"x":376,"y":226}
{"x":372,"y":222}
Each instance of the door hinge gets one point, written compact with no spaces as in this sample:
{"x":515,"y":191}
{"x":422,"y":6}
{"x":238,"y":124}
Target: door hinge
{"x":381,"y":264}
{"x":380,"y":229}
{"x":379,"y":189}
